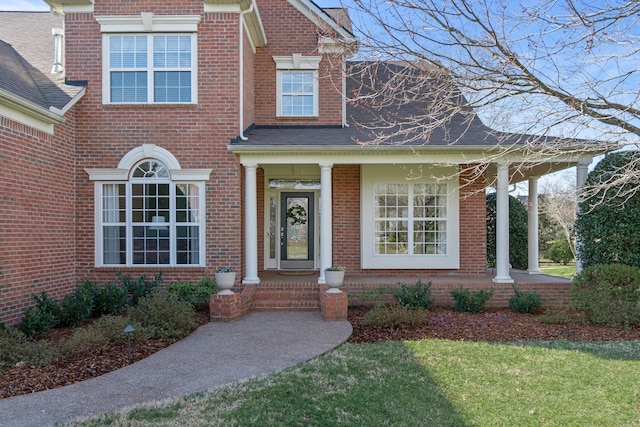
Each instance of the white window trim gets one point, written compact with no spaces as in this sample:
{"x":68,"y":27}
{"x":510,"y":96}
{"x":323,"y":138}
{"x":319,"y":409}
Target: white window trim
{"x":148,"y":24}
{"x":378,"y":174}
{"x":121,"y":174}
{"x":294,"y":62}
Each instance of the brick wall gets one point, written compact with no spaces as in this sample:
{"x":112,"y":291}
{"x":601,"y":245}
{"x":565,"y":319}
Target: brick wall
{"x":473,"y":224}
{"x":553,"y":293}
{"x":197,"y":135}
{"x":346,"y":224}
{"x":288,"y":31}
{"x":346,"y":217}
{"x":37,"y":241}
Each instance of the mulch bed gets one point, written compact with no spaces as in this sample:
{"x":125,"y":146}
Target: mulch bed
{"x":492,"y":325}
{"x":442,"y":323}
{"x":65,"y":371}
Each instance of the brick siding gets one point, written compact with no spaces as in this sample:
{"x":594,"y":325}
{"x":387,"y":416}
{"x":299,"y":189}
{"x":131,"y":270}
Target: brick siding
{"x":37,"y":237}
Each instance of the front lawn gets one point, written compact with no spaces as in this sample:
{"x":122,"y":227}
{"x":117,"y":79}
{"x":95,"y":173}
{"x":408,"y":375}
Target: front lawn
{"x":425,"y":383}
{"x":558,"y":270}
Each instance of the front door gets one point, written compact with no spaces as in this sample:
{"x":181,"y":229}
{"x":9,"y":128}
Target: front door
{"x":296,"y":231}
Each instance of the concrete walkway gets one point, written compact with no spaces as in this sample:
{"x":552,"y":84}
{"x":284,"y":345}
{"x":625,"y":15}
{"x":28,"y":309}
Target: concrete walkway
{"x":214,"y":355}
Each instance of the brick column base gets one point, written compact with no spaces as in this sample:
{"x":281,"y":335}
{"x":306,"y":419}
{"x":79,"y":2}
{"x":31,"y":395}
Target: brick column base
{"x":334,"y":306}
{"x":225,"y":308}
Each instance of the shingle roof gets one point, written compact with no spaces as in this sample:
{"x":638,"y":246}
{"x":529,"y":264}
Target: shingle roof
{"x":464,"y":128}
{"x":27,"y":52}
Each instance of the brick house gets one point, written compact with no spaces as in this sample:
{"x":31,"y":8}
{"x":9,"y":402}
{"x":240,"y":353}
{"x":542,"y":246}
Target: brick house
{"x":181,"y":136}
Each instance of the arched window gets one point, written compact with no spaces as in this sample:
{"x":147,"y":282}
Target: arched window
{"x":151,"y":217}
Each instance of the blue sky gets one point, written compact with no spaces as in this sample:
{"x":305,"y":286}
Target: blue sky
{"x":23,"y":5}
{"x":41,"y":5}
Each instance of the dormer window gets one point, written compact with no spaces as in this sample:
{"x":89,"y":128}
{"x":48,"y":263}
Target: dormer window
{"x":297,"y":85}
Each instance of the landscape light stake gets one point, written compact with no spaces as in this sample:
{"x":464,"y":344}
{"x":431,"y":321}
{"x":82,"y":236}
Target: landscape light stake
{"x":127,"y":330}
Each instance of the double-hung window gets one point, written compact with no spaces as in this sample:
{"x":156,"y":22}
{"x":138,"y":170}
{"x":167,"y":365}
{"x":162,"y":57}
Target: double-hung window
{"x":297,"y":85}
{"x":149,"y":59}
{"x":151,"y":68}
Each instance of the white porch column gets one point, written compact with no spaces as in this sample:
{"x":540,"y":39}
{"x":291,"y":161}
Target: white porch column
{"x":582,"y":171}
{"x":532,"y":211}
{"x":502,"y":225}
{"x":326,"y":220}
{"x":251,"y":225}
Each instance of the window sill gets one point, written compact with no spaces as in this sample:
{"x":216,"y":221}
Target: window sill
{"x":297,"y":118}
{"x":132,"y":105}
{"x":196,"y":268}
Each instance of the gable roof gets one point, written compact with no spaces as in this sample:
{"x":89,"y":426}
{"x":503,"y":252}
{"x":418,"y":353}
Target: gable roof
{"x":27,"y":51}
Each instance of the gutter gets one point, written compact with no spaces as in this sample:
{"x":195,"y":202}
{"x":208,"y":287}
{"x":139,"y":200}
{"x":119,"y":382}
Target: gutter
{"x":241,"y":67}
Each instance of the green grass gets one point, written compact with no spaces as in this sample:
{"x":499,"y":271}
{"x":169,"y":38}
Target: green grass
{"x":424,"y":383}
{"x":558,"y":270}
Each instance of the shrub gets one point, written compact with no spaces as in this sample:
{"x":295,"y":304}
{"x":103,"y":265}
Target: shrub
{"x":416,"y":296}
{"x":608,"y":222}
{"x":524,"y":301}
{"x":113,"y":328}
{"x":138,"y":288}
{"x":563,"y":316}
{"x":470,"y":301}
{"x":83,"y":341}
{"x":33,"y":323}
{"x":609,"y":294}
{"x":518,"y":234}
{"x":110,"y":299}
{"x":104,"y":331}
{"x":48,"y":307}
{"x":395,"y":315}
{"x":163,"y":317}
{"x":40,"y":318}
{"x":560,"y":252}
{"x":194,"y":294}
{"x":17,"y":348}
{"x":78,"y":306}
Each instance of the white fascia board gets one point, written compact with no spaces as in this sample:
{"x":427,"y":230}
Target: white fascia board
{"x":70,"y":6}
{"x":313,"y":13}
{"x":222,"y":8}
{"x":28,"y":113}
{"x":403,"y":154}
{"x":69,"y":104}
{"x":148,"y":23}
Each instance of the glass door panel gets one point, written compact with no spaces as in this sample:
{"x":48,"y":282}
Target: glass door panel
{"x":296,"y":231}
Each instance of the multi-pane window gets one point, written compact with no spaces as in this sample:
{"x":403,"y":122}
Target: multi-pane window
{"x":410,"y":219}
{"x":151,"y":220}
{"x":297,"y":93}
{"x":297,"y":85}
{"x":158,"y":68}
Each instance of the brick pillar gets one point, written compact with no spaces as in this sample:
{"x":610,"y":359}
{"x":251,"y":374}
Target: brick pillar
{"x":225,"y":308}
{"x":334,"y":306}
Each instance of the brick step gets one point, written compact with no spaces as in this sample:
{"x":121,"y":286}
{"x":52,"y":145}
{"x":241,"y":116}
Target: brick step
{"x":286,"y":298}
